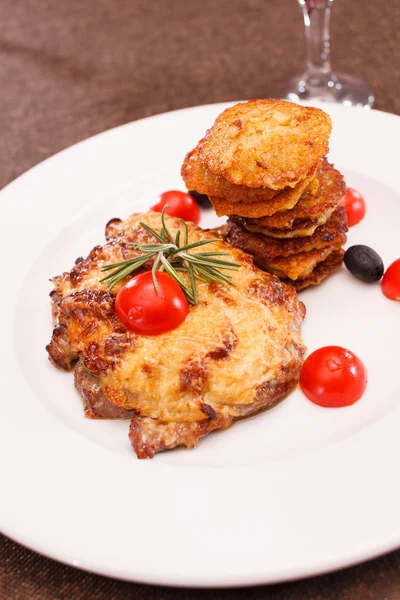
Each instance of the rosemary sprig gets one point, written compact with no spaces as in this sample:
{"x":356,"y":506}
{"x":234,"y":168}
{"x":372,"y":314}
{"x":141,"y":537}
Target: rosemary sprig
{"x":173,"y":258}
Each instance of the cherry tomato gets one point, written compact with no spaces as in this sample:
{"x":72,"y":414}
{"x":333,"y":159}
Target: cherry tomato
{"x":180,"y":205}
{"x":333,"y":376}
{"x":148,"y":312}
{"x":355,"y":207}
{"x":391,"y":281}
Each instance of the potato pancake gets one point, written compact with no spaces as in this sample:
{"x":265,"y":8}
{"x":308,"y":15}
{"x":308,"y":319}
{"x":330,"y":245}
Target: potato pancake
{"x":295,"y":266}
{"x":319,"y":200}
{"x":282,"y":201}
{"x":333,"y":233}
{"x":266,"y":143}
{"x":322,"y":270}
{"x":197,"y":177}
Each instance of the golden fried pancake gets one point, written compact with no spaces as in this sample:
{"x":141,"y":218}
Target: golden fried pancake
{"x":300,"y":227}
{"x":283,"y":201}
{"x":266,"y":143}
{"x":262,"y":247}
{"x":197,"y":177}
{"x":296,"y":266}
{"x":321,"y":271}
{"x":319,"y":200}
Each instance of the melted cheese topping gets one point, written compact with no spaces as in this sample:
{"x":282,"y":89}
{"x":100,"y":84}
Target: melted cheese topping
{"x":235,"y":339}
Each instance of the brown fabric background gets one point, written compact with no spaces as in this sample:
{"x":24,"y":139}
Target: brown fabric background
{"x":70,"y":69}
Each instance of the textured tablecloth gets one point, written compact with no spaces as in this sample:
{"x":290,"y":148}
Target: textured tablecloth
{"x":72,"y":68}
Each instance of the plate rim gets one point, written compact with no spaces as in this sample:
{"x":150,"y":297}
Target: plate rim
{"x":255,"y":581}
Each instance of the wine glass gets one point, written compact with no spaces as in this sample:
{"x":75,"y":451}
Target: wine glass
{"x":318,"y":81}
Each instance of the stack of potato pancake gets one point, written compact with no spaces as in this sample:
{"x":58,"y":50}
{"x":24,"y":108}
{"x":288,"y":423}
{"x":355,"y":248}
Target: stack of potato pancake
{"x":263,"y":165}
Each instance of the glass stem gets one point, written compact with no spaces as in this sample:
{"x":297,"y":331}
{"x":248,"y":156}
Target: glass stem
{"x":316,"y":14}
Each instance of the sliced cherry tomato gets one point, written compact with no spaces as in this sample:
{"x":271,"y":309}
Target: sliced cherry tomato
{"x":354,"y":204}
{"x":391,"y":281}
{"x":148,"y":312}
{"x":179,"y":205}
{"x":333,"y":376}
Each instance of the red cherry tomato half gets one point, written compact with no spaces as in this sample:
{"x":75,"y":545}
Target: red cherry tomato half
{"x":148,"y":312}
{"x":391,"y":281}
{"x":355,"y":207}
{"x":180,"y":205}
{"x":333,"y":376}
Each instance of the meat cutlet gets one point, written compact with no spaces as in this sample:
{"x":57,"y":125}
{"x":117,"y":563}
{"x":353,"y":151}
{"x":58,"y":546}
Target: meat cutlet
{"x":238,"y":351}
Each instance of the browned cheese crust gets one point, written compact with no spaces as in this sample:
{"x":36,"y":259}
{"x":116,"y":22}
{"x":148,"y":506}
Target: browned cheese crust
{"x":266,"y":143}
{"x":265,"y":248}
{"x":238,"y":351}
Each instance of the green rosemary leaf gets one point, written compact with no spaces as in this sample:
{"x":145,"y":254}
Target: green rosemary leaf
{"x":152,"y":231}
{"x":154,"y":248}
{"x":198,"y":275}
{"x":193,"y":282}
{"x":197,"y":244}
{"x":186,"y":239}
{"x":171,"y":271}
{"x":214,"y":254}
{"x":113,"y":278}
{"x":213,"y":275}
{"x":172,"y":258}
{"x":206,"y":276}
{"x":174,"y":274}
{"x":125,"y":263}
{"x":113,"y":265}
{"x":167,"y":233}
{"x":214,"y":262}
{"x":154,"y":271}
{"x":220,"y":277}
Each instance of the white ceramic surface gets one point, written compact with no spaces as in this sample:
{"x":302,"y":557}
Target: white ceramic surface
{"x":292,"y":492}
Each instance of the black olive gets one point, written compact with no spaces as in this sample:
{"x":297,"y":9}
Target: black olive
{"x":364,"y":263}
{"x":202,"y":199}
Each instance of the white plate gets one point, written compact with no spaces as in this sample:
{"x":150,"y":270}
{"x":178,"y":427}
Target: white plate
{"x":292,"y":492}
